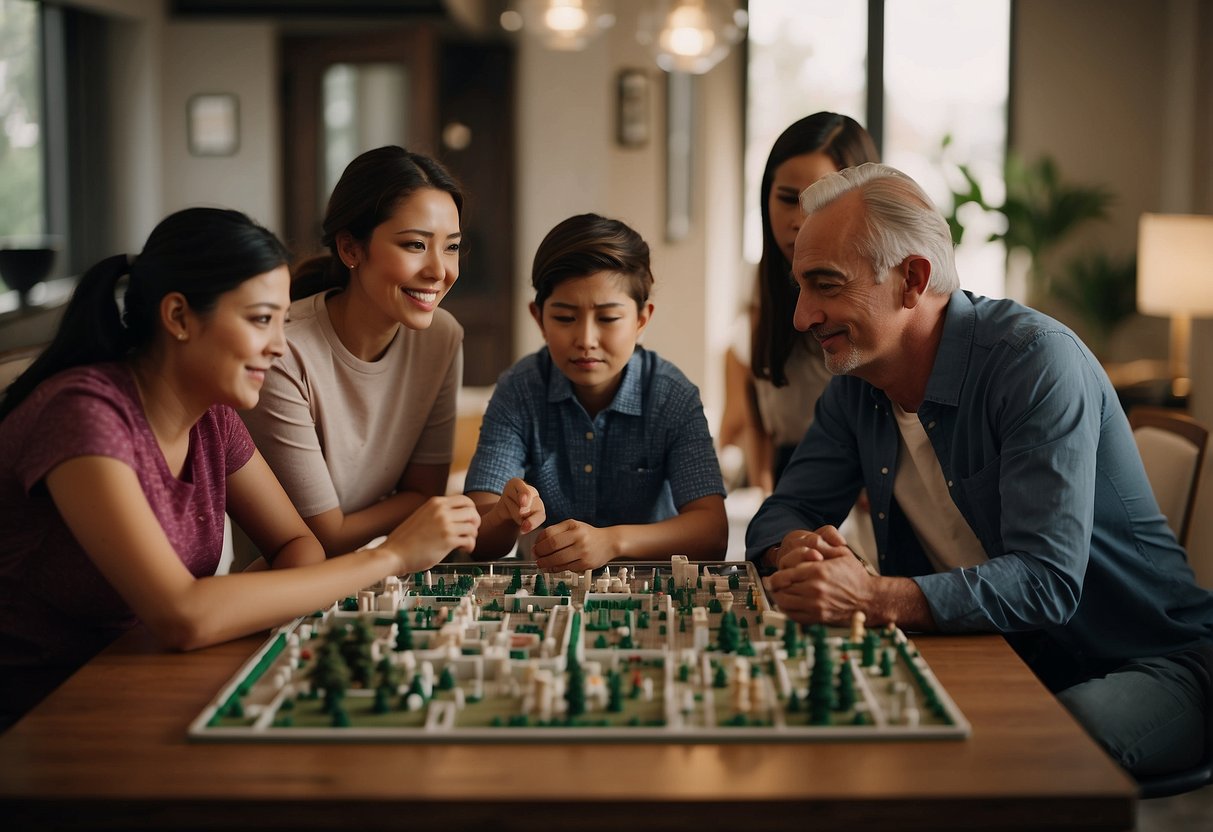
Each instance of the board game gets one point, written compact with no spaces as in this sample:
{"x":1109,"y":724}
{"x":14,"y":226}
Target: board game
{"x":674,"y":651}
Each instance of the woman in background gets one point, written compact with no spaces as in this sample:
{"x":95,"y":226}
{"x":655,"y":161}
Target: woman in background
{"x":120,"y":452}
{"x":774,"y":374}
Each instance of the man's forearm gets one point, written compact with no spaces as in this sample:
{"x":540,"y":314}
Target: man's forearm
{"x":902,"y":601}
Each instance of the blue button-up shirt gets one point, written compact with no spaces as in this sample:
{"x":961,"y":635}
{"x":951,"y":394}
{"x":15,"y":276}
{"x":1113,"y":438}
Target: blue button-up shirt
{"x":1040,"y":461}
{"x":641,"y":458}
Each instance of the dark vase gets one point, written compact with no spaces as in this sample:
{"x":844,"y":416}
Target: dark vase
{"x":24,"y":268}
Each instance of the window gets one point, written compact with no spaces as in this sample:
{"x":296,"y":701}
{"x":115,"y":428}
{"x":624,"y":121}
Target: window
{"x":22,"y":201}
{"x":946,"y":73}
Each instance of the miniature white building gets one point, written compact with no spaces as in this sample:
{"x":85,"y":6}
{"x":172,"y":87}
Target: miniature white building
{"x":699,"y":624}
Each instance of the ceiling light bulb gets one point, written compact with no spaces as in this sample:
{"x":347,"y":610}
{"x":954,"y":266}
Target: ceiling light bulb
{"x":567,"y":17}
{"x":688,"y":32}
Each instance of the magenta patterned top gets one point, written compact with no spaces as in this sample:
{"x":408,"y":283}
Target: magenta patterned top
{"x":56,"y":609}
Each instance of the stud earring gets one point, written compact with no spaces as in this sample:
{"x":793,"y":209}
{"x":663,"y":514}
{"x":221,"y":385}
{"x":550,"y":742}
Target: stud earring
{"x":181,"y":336}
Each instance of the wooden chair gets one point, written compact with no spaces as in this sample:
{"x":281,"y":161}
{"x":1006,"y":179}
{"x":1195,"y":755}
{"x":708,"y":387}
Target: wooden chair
{"x":1172,"y":446}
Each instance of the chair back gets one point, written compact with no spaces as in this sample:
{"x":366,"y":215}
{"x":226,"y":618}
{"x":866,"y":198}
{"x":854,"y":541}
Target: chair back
{"x":1172,"y":447}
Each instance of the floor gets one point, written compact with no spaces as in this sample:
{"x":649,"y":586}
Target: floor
{"x":1182,"y":813}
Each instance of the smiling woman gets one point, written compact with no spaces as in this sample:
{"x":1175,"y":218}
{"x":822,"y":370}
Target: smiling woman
{"x":120,"y":453}
{"x":358,"y":417}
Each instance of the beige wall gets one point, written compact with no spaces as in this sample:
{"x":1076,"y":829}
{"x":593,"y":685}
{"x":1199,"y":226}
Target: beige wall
{"x":247,"y":67}
{"x":1119,"y":93}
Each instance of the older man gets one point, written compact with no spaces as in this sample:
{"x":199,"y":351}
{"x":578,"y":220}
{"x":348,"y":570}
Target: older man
{"x":1007,"y":493}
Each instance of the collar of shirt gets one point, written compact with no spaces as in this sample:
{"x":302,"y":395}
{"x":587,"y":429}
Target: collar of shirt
{"x":627,"y":398}
{"x":955,"y":346}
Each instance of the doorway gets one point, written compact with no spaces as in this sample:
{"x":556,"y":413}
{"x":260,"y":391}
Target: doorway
{"x":348,"y":92}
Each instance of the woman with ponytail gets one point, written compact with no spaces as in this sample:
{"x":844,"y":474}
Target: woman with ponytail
{"x":120,"y":452}
{"x":357,"y":419}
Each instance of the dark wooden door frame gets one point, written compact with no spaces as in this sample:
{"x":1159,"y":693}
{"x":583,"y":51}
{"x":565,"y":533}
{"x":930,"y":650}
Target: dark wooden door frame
{"x":304,"y":61}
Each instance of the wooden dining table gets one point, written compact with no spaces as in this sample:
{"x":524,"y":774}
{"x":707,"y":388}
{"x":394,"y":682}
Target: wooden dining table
{"x":109,"y":750}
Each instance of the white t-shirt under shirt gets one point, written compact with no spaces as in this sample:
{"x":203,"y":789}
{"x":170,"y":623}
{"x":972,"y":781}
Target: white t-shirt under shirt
{"x":923,"y":494}
{"x":339,"y":431}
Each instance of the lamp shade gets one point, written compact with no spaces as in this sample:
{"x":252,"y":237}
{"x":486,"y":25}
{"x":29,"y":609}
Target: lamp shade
{"x":1175,"y":264}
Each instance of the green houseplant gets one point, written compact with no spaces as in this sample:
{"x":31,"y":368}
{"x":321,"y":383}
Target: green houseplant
{"x":1040,"y":211}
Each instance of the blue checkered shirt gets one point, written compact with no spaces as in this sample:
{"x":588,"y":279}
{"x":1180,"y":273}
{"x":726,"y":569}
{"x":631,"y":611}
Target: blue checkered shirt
{"x":644,"y":455}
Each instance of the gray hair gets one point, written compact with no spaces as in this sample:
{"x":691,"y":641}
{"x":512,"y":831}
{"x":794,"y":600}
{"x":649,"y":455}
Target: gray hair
{"x":901,"y":220}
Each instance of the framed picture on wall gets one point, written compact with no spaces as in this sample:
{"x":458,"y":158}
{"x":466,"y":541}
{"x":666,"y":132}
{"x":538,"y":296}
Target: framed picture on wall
{"x":213,"y":124}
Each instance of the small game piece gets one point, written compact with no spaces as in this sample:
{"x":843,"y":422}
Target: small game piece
{"x":857,"y":628}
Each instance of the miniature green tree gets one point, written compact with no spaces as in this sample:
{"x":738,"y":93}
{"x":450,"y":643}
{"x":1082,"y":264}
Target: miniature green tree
{"x":446,"y":679}
{"x":720,"y":679}
{"x":734,"y":581}
{"x":728,"y":636}
{"x":615,"y":692}
{"x":541,"y":585}
{"x":331,"y":675}
{"x":886,"y":662}
{"x":821,"y":681}
{"x":356,"y":650}
{"x":416,"y":687}
{"x":389,"y":679}
{"x":574,"y":694}
{"x":846,"y":686}
{"x":791,"y":638}
{"x":870,"y":642}
{"x":404,"y":631}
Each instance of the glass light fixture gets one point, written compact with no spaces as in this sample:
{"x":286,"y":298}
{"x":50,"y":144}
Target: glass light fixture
{"x":566,"y":25}
{"x":691,"y":35}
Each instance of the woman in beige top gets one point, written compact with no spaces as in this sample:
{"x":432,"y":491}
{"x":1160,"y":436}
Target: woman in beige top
{"x":357,"y":419}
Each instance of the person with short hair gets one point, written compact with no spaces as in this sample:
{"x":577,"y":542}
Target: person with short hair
{"x":609,"y":437}
{"x":1007,"y":492}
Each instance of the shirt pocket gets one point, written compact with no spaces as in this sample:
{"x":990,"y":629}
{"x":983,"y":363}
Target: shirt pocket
{"x":634,"y":493}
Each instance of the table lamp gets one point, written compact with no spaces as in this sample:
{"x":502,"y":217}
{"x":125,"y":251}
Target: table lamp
{"x":1175,"y":278}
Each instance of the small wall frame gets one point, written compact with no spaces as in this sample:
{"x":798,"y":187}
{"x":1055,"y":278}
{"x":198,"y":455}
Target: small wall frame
{"x":632,"y":112}
{"x":213,"y":124}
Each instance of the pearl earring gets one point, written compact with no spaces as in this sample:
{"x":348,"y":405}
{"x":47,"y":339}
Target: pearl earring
{"x":181,"y":336}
